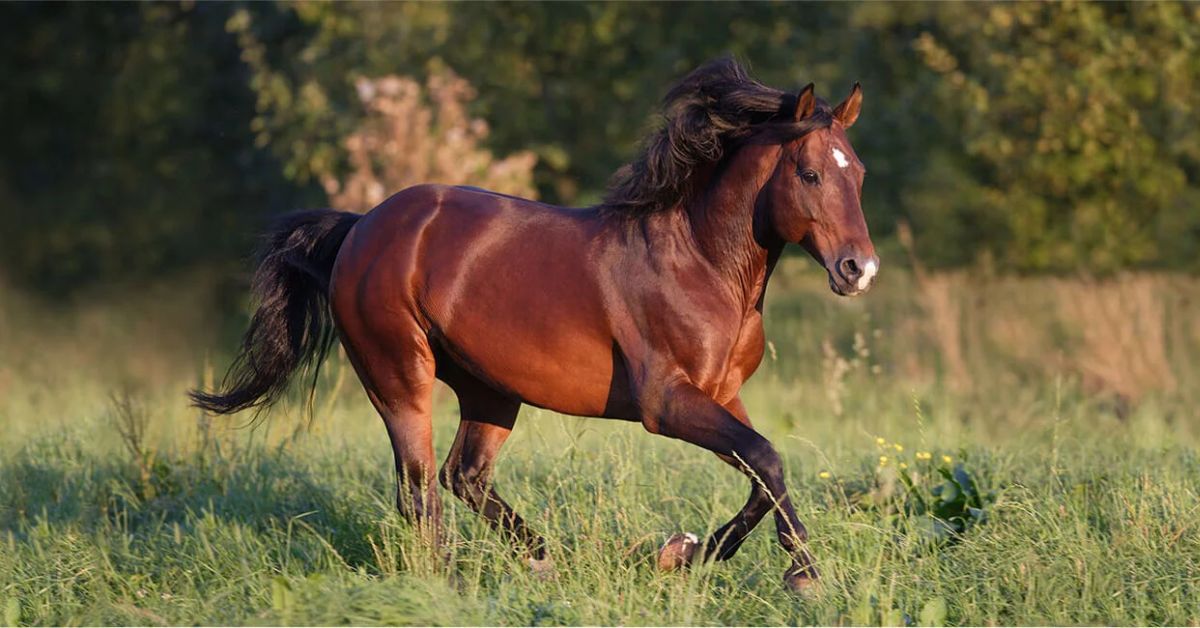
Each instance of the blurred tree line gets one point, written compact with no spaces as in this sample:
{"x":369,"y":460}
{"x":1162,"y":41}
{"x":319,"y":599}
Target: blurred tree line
{"x":146,"y":138}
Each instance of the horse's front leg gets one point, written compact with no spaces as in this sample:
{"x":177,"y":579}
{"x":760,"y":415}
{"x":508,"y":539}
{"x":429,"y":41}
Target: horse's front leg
{"x":681,"y":549}
{"x":688,"y":414}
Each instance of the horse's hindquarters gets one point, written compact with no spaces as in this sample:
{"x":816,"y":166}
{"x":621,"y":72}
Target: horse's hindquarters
{"x":503,"y":287}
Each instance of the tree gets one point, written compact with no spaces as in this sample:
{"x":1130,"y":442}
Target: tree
{"x":128,"y":150}
{"x":1078,"y":121}
{"x":146,"y":138}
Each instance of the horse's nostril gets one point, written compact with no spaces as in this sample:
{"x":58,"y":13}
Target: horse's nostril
{"x":850,"y":269}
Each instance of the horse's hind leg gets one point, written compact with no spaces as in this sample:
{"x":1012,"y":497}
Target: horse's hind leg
{"x":399,"y":381}
{"x":487,"y":420}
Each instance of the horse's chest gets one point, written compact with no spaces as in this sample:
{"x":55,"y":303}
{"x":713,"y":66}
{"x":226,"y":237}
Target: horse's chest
{"x":737,"y":356}
{"x":747,"y":351}
{"x":753,"y":341}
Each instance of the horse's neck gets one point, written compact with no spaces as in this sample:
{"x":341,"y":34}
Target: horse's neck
{"x":729,"y":226}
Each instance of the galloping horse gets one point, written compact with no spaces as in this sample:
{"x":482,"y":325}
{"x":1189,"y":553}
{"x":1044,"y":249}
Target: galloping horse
{"x":645,"y":308}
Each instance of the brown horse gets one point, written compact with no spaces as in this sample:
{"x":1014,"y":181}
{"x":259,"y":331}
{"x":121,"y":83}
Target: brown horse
{"x":646,"y":308}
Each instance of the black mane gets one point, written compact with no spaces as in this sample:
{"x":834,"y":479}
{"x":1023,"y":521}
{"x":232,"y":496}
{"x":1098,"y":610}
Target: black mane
{"x":714,"y":106}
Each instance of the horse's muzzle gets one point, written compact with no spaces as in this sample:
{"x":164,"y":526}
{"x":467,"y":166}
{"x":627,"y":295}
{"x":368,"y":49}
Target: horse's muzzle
{"x":853,"y":275}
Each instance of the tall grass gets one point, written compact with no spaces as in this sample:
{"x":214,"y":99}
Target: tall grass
{"x":1072,"y":402}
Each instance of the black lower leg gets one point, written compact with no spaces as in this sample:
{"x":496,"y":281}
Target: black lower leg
{"x":726,"y":541}
{"x":483,"y":499}
{"x":690,"y":415}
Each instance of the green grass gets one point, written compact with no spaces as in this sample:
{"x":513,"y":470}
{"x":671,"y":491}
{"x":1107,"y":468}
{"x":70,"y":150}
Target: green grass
{"x":1095,"y":520}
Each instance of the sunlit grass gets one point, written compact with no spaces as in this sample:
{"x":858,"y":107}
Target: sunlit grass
{"x":1093,"y":517}
{"x":302,"y":531}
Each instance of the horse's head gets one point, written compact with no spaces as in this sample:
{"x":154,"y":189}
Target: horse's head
{"x":816,"y":194}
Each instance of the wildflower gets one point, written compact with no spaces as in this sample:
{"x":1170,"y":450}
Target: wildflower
{"x":824,"y":475}
{"x":903,"y":465}
{"x":898,"y":447}
{"x":883,"y":461}
{"x":924,"y":455}
{"x":947,"y":459}
{"x":879,"y":441}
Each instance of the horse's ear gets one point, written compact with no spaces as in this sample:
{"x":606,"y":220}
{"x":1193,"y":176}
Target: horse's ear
{"x":847,"y":112}
{"x":806,"y":102}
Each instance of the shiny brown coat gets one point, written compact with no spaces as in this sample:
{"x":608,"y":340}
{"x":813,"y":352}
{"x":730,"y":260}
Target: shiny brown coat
{"x":646,"y":308}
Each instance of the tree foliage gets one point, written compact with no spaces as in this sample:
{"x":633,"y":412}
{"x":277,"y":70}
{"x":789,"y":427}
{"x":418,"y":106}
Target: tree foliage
{"x":127,"y":149}
{"x":412,"y":135}
{"x":1048,"y":137}
{"x":1079,"y":123}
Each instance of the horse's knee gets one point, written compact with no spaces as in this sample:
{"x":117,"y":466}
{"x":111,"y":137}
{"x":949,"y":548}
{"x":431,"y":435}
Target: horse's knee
{"x":767,"y":461}
{"x":758,"y":458}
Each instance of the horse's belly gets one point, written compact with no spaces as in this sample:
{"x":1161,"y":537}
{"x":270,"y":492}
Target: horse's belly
{"x":528,"y":319}
{"x":554,"y":368}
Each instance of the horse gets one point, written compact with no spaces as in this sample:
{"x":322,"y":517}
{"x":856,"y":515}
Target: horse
{"x":646,"y":307}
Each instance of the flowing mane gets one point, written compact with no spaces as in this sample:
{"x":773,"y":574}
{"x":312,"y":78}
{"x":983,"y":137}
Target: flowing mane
{"x":715,"y":106}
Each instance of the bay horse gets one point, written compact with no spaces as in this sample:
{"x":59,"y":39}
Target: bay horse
{"x":647,"y":307}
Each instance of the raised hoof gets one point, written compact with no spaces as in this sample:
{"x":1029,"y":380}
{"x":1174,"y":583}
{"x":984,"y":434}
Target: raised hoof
{"x":678,"y":552}
{"x":542,"y":569}
{"x":803,"y":581}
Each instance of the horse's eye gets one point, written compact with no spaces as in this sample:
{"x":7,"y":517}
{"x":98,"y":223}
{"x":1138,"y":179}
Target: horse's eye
{"x":810,"y":176}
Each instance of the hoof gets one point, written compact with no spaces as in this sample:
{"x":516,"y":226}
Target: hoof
{"x":542,"y":569}
{"x":678,"y":551}
{"x":803,"y":581}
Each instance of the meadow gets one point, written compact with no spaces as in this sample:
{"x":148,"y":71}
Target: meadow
{"x":965,"y":449}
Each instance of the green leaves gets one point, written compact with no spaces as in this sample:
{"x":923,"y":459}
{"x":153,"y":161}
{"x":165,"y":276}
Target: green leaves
{"x":954,"y":505}
{"x":939,"y":498}
{"x":1044,"y":137}
{"x":1047,"y":137}
{"x":1068,"y":118}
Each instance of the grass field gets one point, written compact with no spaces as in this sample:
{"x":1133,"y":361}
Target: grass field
{"x":1067,"y":408}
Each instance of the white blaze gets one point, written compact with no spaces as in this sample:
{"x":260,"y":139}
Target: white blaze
{"x":869,"y":271}
{"x":840,"y":158}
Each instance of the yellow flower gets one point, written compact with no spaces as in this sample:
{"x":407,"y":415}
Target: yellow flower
{"x":903,"y":465}
{"x":824,"y":475}
{"x":879,"y":441}
{"x":898,"y":447}
{"x":924,"y":455}
{"x":947,"y":459}
{"x":883,"y":461}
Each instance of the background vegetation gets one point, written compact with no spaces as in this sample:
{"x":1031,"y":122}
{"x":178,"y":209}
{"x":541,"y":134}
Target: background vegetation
{"x":1029,"y":355}
{"x":1050,"y":137}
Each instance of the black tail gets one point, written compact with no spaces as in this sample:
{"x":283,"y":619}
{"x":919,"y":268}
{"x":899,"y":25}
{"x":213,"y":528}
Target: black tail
{"x":292,"y":326}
